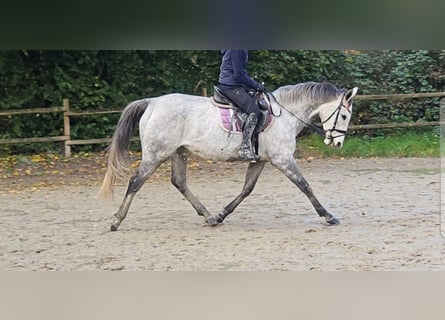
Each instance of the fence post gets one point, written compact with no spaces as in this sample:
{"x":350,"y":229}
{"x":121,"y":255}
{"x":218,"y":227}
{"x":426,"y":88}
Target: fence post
{"x":203,"y":88}
{"x":66,"y":126}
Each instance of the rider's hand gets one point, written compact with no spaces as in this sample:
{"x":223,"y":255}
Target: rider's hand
{"x":260,"y":87}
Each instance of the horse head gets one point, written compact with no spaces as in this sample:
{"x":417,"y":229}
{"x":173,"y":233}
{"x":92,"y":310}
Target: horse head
{"x":335,"y":116}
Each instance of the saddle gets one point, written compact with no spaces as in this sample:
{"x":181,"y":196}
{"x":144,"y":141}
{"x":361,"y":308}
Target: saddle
{"x":232,"y":118}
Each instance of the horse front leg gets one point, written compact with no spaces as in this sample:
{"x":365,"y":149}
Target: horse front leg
{"x":179,"y":180}
{"x":290,"y":169}
{"x":253,"y":172}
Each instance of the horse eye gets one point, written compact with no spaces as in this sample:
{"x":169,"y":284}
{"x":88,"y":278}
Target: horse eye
{"x":343,"y":116}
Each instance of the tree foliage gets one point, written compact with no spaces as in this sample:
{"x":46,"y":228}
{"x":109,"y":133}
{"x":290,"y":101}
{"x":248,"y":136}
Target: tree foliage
{"x":387,"y":72}
{"x":110,"y":79}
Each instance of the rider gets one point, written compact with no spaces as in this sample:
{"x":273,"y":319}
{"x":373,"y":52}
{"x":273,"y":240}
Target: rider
{"x":234,"y":83}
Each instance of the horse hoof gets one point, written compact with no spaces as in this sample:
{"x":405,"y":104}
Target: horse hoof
{"x":113,"y":227}
{"x":333,"y":221}
{"x":212,"y":221}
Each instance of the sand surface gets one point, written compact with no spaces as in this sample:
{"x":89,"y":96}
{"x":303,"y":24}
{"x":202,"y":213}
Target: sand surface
{"x":389,"y":211}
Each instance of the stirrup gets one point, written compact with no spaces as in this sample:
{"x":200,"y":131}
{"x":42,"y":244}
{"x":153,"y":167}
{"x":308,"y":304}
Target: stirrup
{"x":247,"y":154}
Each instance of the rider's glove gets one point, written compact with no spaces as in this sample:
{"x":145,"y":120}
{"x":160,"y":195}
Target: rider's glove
{"x":260,"y":87}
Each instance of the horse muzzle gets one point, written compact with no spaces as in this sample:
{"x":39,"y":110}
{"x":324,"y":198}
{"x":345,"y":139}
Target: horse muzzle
{"x":333,"y":141}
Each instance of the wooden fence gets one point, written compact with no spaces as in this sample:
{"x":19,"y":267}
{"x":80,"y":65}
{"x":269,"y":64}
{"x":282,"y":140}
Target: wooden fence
{"x":66,"y":138}
{"x":67,"y":114}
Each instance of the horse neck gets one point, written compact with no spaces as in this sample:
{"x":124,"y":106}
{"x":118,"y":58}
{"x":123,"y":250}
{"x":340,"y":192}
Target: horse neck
{"x":303,"y":99}
{"x":301,"y":107}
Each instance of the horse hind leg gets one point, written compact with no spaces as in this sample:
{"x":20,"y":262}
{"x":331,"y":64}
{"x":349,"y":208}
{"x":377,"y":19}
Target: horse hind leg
{"x":179,"y":180}
{"x":144,"y":171}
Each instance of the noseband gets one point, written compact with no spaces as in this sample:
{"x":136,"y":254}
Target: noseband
{"x":337,"y":114}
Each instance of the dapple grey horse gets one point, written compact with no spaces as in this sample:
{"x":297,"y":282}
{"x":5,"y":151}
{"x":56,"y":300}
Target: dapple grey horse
{"x":172,"y":125}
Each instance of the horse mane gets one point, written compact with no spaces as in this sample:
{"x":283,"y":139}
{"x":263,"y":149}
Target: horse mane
{"x":307,"y":92}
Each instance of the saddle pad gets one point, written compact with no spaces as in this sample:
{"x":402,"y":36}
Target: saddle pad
{"x":230,"y":123}
{"x":227,"y":121}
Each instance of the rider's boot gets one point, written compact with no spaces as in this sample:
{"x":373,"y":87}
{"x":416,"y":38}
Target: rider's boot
{"x":247,"y":151}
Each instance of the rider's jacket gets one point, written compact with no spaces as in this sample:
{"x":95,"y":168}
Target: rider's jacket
{"x":233,"y":70}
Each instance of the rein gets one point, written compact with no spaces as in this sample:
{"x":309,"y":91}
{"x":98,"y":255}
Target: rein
{"x":310,"y":125}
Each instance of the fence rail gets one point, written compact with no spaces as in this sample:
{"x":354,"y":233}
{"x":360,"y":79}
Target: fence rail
{"x":31,"y":110}
{"x":68,"y":142}
{"x":400,"y":96}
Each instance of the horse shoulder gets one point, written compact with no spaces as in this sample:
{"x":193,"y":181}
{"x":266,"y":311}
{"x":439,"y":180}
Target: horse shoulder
{"x":280,"y":137}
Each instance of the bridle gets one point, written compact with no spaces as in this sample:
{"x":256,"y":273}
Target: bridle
{"x":317,"y":128}
{"x":337,"y":114}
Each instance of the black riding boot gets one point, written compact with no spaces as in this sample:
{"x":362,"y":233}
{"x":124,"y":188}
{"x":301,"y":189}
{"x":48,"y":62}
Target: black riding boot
{"x":247,"y":150}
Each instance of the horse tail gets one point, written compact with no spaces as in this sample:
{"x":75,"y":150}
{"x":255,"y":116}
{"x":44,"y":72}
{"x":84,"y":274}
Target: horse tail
{"x":118,"y":159}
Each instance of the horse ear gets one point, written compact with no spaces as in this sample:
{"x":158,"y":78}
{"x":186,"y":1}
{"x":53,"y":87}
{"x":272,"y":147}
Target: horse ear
{"x":351,"y":94}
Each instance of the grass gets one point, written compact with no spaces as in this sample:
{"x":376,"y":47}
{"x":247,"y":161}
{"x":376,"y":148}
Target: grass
{"x":397,"y":145}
